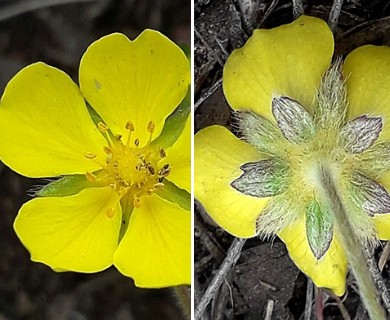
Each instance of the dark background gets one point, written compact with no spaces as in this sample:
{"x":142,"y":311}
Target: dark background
{"x":58,"y":32}
{"x":264,"y":271}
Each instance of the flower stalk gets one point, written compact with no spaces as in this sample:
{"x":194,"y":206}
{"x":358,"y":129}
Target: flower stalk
{"x":329,"y":194}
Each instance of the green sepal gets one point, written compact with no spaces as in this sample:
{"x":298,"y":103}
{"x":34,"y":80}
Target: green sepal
{"x":186,"y":49}
{"x":67,"y":186}
{"x":173,"y":193}
{"x":174,"y":124}
{"x":261,"y":179}
{"x":319,"y":229}
{"x":127,"y":210}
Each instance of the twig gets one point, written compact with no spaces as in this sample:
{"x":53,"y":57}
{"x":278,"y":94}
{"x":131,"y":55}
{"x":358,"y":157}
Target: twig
{"x":271,"y":8}
{"x":208,"y":93}
{"x":18,"y":7}
{"x":309,"y":300}
{"x":269,"y":310}
{"x":384,"y":256}
{"x":297,"y":8}
{"x":335,"y":14}
{"x":231,"y":258}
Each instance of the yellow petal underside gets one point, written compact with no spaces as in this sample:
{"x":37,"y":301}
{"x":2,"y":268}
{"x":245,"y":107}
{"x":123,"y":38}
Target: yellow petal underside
{"x":179,"y":158}
{"x":382,"y":225}
{"x":367,"y":70}
{"x":328,"y":272}
{"x":72,"y":233}
{"x":218,"y":157}
{"x":156,"y":248}
{"x":45,"y":127}
{"x":288,"y":60}
{"x":138,"y":80}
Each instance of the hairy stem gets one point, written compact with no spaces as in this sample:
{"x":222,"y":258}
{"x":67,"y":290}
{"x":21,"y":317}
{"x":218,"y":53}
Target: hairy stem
{"x":329,"y":195}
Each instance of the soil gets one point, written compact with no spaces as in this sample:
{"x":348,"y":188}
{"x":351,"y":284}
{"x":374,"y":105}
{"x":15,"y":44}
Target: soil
{"x":264,"y":274}
{"x":58,"y":32}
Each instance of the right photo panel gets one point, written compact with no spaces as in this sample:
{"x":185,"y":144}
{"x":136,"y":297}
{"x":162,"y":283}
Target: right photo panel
{"x":291,"y":160}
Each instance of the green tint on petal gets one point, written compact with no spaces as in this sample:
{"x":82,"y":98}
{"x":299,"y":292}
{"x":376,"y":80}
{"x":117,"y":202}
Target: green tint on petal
{"x":75,"y":233}
{"x":174,"y":194}
{"x":67,"y":186}
{"x":156,"y":248}
{"x":218,"y":158}
{"x":328,"y":272}
{"x":289,"y":60}
{"x":174,"y":124}
{"x":179,"y":159}
{"x":45,"y":127}
{"x":367,"y":70}
{"x":139,"y":81}
{"x":319,"y":229}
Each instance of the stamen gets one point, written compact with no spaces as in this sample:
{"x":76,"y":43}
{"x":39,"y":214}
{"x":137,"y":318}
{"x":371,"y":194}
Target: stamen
{"x":110,"y":212}
{"x":136,"y":142}
{"x":136,"y":202}
{"x":151,"y":126}
{"x":90,"y":155}
{"x":102,"y":127}
{"x":163,"y":154}
{"x":158,"y":186}
{"x":151,"y":169}
{"x":90,"y":176}
{"x":129,"y":126}
{"x":165,"y":170}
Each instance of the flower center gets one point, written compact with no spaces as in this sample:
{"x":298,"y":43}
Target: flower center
{"x":131,"y":170}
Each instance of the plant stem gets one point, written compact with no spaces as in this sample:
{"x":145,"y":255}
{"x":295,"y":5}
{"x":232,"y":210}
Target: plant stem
{"x":183,"y":297}
{"x":330,"y":196}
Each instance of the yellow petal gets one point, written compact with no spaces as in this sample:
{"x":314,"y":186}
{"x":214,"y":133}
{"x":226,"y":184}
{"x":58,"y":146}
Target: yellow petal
{"x":367,"y":70}
{"x":156,"y":248}
{"x":382,"y":225}
{"x":179,"y":158}
{"x":45,"y":127}
{"x":75,"y":233}
{"x":138,"y":80}
{"x":288,"y":60}
{"x":218,"y":157}
{"x":328,"y":272}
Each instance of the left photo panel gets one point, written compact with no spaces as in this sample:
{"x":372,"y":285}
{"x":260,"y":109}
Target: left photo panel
{"x":95,"y":150}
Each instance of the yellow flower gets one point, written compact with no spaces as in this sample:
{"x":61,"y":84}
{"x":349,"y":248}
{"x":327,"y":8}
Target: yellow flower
{"x":124,"y":157}
{"x":295,"y":112}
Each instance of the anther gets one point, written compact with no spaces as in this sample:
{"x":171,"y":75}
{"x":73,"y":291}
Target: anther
{"x":107,"y":150}
{"x":90,"y":155}
{"x":102,"y":127}
{"x":110,"y":212}
{"x":136,"y":142}
{"x":90,"y":176}
{"x":129,"y":126}
{"x":158,"y":186}
{"x":151,"y":169}
{"x":151,"y":126}
{"x":136,"y":202}
{"x":163,"y":154}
